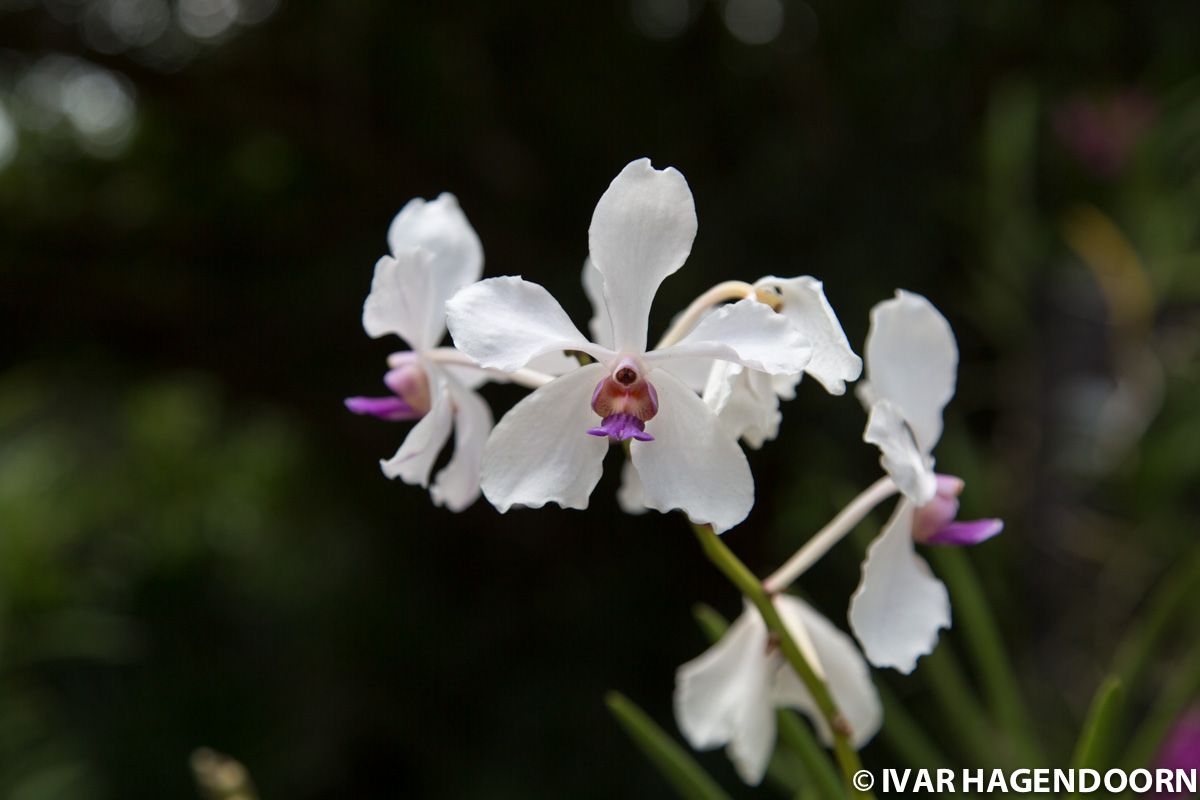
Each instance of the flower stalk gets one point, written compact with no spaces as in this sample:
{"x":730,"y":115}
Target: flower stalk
{"x":741,"y":577}
{"x":831,"y":534}
{"x":721,"y":293}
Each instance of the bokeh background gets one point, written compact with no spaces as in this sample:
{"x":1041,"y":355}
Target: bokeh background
{"x":197,"y":546}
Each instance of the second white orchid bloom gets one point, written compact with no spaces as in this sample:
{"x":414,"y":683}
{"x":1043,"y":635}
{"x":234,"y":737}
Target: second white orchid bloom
{"x":434,"y":253}
{"x":550,"y":447}
{"x":912,"y":362}
{"x":728,"y":695}
{"x":747,"y":400}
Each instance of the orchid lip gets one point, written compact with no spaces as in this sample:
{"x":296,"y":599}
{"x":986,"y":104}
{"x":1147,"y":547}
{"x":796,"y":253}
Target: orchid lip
{"x":966,"y":533}
{"x":937,"y":523}
{"x":620,"y":427}
{"x":392,"y":409}
{"x":625,"y":401}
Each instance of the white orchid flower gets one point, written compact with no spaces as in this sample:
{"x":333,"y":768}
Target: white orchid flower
{"x":747,"y":400}
{"x":911,"y":360}
{"x":434,"y":253}
{"x":550,"y":446}
{"x":728,"y":695}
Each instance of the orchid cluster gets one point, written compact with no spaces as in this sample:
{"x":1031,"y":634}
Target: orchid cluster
{"x":682,"y":410}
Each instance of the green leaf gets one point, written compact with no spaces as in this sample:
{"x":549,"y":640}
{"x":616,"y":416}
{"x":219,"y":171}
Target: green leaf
{"x":711,"y":621}
{"x":688,"y":778}
{"x":960,"y":708}
{"x":797,"y":735}
{"x":905,"y":735}
{"x":988,"y":654}
{"x":1174,"y":699}
{"x":1095,"y":740}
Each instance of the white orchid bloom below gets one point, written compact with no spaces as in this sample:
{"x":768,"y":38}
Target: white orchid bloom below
{"x":911,"y":360}
{"x":728,"y":695}
{"x":747,"y":400}
{"x":434,"y":253}
{"x":550,"y":446}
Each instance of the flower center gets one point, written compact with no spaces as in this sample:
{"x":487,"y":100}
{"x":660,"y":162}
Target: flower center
{"x":937,"y":522}
{"x":409,"y":383}
{"x":625,"y":400}
{"x":409,"y":399}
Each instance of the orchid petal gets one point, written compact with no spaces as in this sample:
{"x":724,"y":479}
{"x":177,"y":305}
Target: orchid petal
{"x":600,"y":325}
{"x":504,"y":323}
{"x":440,"y":227}
{"x":630,"y":495}
{"x":413,"y":462}
{"x":745,"y":401}
{"x":746,"y":332}
{"x":845,"y":671}
{"x":803,"y":303}
{"x":912,"y":360}
{"x":457,"y":485}
{"x":693,"y":464}
{"x":691,"y":372}
{"x":899,"y":605}
{"x":904,"y":461}
{"x":540,"y":451}
{"x":404,"y":300}
{"x":641,"y":232}
{"x":723,"y":697}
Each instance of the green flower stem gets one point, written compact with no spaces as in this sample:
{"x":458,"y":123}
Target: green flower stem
{"x":796,"y":734}
{"x":737,"y":572}
{"x":793,"y":731}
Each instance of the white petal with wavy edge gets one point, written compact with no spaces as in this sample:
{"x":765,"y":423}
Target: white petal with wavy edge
{"x":630,"y":496}
{"x":723,"y":697}
{"x":745,"y":402}
{"x":540,"y":452}
{"x":414,"y":460}
{"x":403,"y":300}
{"x":440,"y":227}
{"x":504,"y":323}
{"x":899,"y":606}
{"x":833,"y":363}
{"x":912,"y":361}
{"x":457,"y":485}
{"x":844,"y":668}
{"x":746,"y":332}
{"x":911,"y":469}
{"x":693,"y":464}
{"x":641,"y":232}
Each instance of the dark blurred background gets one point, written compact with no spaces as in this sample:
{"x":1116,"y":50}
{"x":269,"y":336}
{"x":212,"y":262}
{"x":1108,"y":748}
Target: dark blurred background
{"x":197,"y":546}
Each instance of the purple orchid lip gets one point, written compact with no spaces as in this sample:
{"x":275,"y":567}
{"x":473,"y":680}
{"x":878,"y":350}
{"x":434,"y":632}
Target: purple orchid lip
{"x":625,"y":401}
{"x":966,"y":533}
{"x":620,"y":427}
{"x":392,"y":409}
{"x":937,"y":522}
